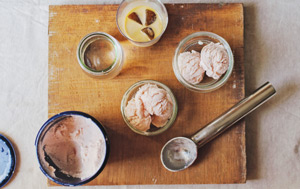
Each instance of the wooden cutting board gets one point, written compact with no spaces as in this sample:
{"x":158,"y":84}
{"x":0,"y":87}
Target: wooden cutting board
{"x":135,"y":159}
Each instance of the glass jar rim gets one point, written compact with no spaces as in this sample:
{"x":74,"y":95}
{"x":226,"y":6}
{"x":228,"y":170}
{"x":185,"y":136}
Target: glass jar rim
{"x":145,"y":42}
{"x":209,"y":87}
{"x":81,"y":61}
{"x":160,"y":130}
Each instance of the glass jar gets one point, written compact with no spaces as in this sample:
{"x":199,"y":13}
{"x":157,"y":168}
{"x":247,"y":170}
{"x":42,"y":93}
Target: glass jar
{"x":196,"y":42}
{"x":130,"y":93}
{"x":127,"y":5}
{"x":100,"y":55}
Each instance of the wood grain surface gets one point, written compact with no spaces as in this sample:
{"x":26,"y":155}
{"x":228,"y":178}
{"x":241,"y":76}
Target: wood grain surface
{"x":135,"y":159}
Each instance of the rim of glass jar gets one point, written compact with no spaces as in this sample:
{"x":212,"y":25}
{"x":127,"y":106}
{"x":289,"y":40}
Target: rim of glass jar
{"x":124,"y":103}
{"x":138,"y":42}
{"x":106,"y":71}
{"x":209,"y":87}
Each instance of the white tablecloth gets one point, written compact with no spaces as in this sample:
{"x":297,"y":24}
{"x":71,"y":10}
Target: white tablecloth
{"x":271,"y":54}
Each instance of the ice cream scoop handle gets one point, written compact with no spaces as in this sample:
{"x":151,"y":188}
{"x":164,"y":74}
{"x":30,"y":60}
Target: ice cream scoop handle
{"x":234,"y":114}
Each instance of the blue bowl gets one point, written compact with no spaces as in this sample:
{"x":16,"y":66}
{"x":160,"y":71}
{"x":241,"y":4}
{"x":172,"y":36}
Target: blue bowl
{"x":62,"y":178}
{"x":7,"y":160}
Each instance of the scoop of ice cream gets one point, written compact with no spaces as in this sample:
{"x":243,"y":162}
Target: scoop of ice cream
{"x":161,"y":119}
{"x":157,"y":102}
{"x":137,"y":115}
{"x":189,"y":67}
{"x":150,"y":104}
{"x":75,"y":145}
{"x":214,"y":60}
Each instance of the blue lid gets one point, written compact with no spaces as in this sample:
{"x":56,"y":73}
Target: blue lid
{"x":7,"y":160}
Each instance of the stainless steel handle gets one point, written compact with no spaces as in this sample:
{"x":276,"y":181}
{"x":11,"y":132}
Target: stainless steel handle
{"x":234,"y":114}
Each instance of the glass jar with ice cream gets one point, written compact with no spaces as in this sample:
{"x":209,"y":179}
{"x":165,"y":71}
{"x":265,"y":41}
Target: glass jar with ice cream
{"x":149,"y":107}
{"x":203,"y":62}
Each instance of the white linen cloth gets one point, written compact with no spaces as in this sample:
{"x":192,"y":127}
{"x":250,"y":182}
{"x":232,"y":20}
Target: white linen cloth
{"x":271,"y":54}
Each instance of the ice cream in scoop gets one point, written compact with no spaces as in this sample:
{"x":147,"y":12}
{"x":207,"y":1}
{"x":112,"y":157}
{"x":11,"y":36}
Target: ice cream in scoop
{"x":150,"y":104}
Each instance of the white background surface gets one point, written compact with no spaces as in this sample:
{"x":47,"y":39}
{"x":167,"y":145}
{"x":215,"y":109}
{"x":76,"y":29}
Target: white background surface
{"x":271,"y":54}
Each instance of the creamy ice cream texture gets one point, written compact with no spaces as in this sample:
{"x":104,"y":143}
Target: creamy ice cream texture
{"x":75,"y":145}
{"x":150,"y":104}
{"x":189,"y":66}
{"x":213,"y":60}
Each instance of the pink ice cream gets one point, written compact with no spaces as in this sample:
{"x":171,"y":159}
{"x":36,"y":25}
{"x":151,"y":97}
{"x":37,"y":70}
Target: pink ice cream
{"x":151,"y":104}
{"x":75,"y":145}
{"x":137,"y":115}
{"x":189,"y":67}
{"x":214,"y":60}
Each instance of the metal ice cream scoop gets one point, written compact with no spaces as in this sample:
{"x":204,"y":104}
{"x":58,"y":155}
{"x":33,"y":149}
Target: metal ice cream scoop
{"x":181,"y":152}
